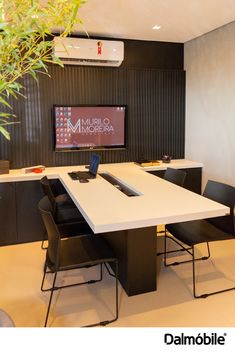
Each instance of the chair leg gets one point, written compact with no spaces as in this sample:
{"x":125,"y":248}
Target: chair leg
{"x":109,"y":272}
{"x":116,"y":296}
{"x":208,"y":251}
{"x":165,"y":264}
{"x":49,"y":304}
{"x":53,"y":288}
{"x":117,"y":307}
{"x":205,"y":295}
{"x":42,"y":243}
{"x":43,"y":279}
{"x":101,"y":272}
{"x":69,"y":285}
{"x":106,"y":322}
{"x":183,"y":248}
{"x":174,"y":251}
{"x":194,"y":275}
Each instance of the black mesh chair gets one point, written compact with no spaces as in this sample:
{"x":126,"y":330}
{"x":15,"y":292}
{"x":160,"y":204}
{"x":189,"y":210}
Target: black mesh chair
{"x":196,"y":232}
{"x":74,"y":253}
{"x":65,"y":212}
{"x":64,"y":209}
{"x":175,"y":176}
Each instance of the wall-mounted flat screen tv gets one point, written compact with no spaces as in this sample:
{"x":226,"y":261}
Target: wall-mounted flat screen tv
{"x":89,"y":127}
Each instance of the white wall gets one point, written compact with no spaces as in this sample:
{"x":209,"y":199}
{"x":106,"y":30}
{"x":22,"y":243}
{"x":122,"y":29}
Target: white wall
{"x":210,"y":103}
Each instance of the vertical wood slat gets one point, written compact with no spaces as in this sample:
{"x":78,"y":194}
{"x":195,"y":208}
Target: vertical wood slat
{"x":155,"y":102}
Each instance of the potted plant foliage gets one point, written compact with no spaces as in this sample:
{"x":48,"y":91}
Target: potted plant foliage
{"x":25,"y":44}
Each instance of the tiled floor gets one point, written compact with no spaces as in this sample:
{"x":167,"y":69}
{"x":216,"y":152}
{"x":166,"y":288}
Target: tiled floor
{"x":172,"y":305}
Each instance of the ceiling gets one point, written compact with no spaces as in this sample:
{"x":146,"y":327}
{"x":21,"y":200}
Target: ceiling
{"x":180,"y":20}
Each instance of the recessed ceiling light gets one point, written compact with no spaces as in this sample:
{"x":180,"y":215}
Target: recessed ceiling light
{"x":156,"y":27}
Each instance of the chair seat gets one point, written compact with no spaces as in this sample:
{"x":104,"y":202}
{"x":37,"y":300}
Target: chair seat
{"x":196,"y":232}
{"x":66,"y":210}
{"x":74,"y":229}
{"x":64,"y":200}
{"x":83,"y":251}
{"x":68,"y":215}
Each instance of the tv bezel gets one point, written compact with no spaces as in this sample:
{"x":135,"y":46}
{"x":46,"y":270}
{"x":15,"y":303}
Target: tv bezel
{"x":91,"y":148}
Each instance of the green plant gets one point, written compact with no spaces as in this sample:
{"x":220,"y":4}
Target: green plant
{"x":25,"y":43}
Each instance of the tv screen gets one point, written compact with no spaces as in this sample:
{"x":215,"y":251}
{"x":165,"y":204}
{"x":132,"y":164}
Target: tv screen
{"x":89,"y":127}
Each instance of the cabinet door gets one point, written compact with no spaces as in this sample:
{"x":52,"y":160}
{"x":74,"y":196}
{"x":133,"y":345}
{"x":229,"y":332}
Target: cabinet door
{"x":8,"y":232}
{"x":29,"y":223}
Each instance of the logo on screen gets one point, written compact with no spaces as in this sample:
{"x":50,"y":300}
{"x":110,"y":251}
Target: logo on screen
{"x":72,"y":127}
{"x":91,"y":126}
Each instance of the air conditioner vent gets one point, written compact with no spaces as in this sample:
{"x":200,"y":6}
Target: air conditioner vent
{"x":73,"y":61}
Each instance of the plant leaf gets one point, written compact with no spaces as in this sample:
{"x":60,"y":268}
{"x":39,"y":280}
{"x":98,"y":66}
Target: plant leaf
{"x":4,"y":102}
{"x":5,"y":133}
{"x":26,"y":42}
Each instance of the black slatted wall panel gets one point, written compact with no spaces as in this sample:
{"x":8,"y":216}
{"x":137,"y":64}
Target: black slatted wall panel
{"x":156,"y":116}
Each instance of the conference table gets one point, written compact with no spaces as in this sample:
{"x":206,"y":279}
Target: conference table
{"x":124,"y":204}
{"x":129,"y":222}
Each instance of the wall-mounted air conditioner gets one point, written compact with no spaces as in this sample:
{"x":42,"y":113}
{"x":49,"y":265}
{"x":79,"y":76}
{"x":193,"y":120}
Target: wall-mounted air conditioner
{"x":80,"y":51}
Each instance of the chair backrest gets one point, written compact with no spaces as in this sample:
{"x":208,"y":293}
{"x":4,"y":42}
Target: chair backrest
{"x":45,"y":183}
{"x":53,"y":249}
{"x":224,"y":194}
{"x":175,"y":176}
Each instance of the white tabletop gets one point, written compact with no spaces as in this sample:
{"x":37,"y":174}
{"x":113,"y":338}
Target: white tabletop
{"x":107,"y":209}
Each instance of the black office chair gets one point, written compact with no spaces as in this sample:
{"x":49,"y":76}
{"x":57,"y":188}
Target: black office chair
{"x":64,"y":209}
{"x":175,"y":176}
{"x":74,"y":253}
{"x":65,"y":212}
{"x":196,"y":232}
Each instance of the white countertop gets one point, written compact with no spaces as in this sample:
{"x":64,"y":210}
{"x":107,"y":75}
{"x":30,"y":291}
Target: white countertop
{"x":107,"y":209}
{"x":175,"y":163}
{"x":54,"y":172}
